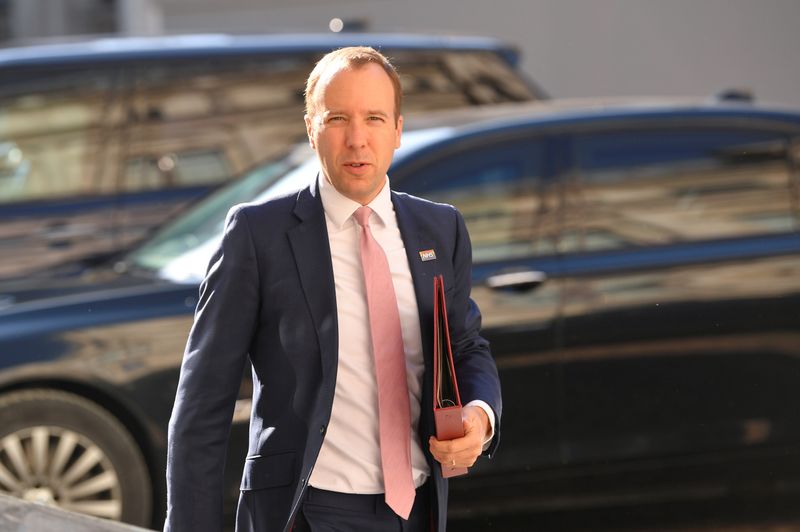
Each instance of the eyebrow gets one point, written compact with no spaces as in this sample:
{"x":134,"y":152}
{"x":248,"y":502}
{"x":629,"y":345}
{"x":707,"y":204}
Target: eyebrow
{"x":369,"y":112}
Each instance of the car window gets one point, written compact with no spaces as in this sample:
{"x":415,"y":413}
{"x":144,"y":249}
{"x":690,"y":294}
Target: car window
{"x":663,"y":187}
{"x":201,"y":122}
{"x":500,"y":190}
{"x":243,"y":111}
{"x":444,"y":80}
{"x":74,"y":130}
{"x":204,"y":222}
{"x":59,"y":133}
{"x":171,"y":170}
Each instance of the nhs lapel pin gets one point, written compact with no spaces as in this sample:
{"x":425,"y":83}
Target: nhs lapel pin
{"x":427,"y":255}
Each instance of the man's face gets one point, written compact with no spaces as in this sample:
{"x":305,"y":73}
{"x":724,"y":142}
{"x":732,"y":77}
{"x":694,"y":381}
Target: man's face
{"x":354,"y":131}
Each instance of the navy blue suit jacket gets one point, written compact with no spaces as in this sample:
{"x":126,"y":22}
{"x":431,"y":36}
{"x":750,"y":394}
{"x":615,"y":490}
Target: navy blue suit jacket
{"x":269,"y":293}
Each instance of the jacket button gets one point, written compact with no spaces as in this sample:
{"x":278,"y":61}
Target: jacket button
{"x":322,"y":429}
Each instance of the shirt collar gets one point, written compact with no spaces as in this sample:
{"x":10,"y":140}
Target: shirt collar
{"x":339,"y":208}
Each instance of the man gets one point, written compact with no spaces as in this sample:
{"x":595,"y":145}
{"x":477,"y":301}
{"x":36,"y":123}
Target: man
{"x":327,"y":292}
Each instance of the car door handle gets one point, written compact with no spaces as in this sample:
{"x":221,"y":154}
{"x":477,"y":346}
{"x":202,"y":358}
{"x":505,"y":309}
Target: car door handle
{"x":517,"y":281}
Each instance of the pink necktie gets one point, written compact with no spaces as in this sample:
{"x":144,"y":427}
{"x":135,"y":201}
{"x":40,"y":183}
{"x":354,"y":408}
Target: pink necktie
{"x":394,"y":416}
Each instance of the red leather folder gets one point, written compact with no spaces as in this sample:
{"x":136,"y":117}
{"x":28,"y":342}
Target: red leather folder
{"x":446,"y":401}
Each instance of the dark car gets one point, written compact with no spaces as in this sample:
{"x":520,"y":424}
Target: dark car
{"x":637,"y":267}
{"x":102,"y":141}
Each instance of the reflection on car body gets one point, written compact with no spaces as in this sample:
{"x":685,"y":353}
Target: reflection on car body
{"x":636,"y":266}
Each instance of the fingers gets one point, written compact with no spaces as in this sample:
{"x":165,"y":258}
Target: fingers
{"x":463,"y":452}
{"x":460,"y":452}
{"x":462,"y":458}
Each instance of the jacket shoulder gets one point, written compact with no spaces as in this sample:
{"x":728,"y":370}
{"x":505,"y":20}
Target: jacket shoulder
{"x":268,"y":211}
{"x":429,"y":215}
{"x":272,"y":206}
{"x":426,"y":206}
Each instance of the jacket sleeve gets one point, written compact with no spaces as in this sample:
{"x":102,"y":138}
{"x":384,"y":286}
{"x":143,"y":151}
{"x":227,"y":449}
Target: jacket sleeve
{"x":211,"y":373}
{"x":476,"y":370}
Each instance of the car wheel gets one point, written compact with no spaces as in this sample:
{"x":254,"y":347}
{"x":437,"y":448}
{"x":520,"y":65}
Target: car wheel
{"x":60,"y":449}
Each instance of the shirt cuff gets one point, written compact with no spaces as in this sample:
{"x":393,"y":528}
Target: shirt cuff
{"x":490,"y":413}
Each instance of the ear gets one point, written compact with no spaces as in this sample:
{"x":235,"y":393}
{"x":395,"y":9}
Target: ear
{"x":398,"y":131}
{"x":310,"y":131}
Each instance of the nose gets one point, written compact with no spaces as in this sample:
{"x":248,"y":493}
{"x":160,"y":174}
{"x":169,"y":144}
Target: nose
{"x":356,"y":134}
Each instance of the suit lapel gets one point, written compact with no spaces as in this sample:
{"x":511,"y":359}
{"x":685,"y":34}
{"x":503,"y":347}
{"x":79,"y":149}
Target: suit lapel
{"x":422,"y":272}
{"x":311,"y":249}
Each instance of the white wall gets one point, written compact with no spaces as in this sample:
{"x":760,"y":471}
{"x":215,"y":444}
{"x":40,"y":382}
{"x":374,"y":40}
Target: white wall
{"x":571,"y":47}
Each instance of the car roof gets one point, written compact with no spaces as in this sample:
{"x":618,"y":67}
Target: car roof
{"x":574,"y":112}
{"x":472,"y":127}
{"x":221,"y":45}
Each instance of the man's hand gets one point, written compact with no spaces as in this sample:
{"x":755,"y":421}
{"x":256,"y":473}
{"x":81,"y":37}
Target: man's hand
{"x":462,"y":452}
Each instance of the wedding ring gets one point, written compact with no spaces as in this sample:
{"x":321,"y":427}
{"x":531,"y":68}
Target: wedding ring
{"x":453,"y":464}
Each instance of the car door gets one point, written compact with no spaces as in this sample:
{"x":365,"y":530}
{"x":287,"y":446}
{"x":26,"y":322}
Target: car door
{"x":682,"y":292}
{"x":504,"y":189}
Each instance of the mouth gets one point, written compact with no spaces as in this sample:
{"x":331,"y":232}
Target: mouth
{"x":356,"y":164}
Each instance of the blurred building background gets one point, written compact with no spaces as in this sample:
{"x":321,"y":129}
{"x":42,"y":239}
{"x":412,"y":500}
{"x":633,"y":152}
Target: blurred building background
{"x":572,"y":48}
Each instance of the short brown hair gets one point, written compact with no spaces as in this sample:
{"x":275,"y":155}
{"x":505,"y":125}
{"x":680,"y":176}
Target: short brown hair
{"x":353,"y":57}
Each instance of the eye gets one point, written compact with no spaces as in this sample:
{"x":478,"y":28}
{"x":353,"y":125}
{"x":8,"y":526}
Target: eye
{"x":335,"y":119}
{"x":376,"y":118}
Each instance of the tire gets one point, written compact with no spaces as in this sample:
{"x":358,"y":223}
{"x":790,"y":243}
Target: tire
{"x":63,"y":450}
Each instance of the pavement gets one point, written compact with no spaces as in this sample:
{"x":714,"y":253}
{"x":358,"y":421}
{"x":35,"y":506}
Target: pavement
{"x":17,"y":515}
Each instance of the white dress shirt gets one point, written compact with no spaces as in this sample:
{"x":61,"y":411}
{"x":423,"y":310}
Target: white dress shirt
{"x":349,"y":460}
